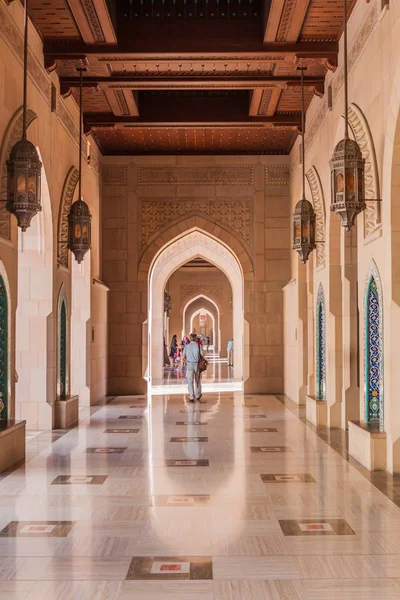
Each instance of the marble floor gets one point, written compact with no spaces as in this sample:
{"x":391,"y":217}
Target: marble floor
{"x":233,"y":498}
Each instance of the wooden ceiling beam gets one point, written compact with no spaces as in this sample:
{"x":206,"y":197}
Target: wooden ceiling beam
{"x":273,"y":20}
{"x":94,"y":21}
{"x":120,"y":52}
{"x":231,"y":81}
{"x":93,"y":120}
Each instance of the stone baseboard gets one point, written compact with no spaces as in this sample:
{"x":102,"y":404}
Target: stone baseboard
{"x":367,"y":445}
{"x":316,"y":411}
{"x":66,"y":412}
{"x":12,"y":444}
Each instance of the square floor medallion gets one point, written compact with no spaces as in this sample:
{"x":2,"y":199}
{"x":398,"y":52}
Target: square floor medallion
{"x":276,"y":449}
{"x":187,"y":423}
{"x":37,"y":529}
{"x":315,"y":527}
{"x":255,"y":416}
{"x":131,"y":417}
{"x":105,"y":450}
{"x":285,"y":478}
{"x":187,"y":463}
{"x":261,"y":430}
{"x":170,"y":568}
{"x":189,"y":439}
{"x":79,"y":479}
{"x":181,"y":500}
{"x":121,"y":430}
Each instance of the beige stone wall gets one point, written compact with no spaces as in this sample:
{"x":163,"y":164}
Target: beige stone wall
{"x":55,"y":133}
{"x":185,"y":284}
{"x":343,"y":263}
{"x":242,"y":202}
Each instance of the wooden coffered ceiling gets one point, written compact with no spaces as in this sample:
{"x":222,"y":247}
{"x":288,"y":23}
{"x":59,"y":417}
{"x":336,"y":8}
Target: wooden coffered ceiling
{"x":191,"y":76}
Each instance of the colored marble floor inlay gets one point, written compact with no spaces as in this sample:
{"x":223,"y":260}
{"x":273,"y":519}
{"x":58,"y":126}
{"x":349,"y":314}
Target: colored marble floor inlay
{"x":96,"y":517}
{"x":121,"y":430}
{"x":35,"y":529}
{"x":79,"y":479}
{"x":309,"y":527}
{"x":261,"y":430}
{"x":170,"y":568}
{"x":286,"y":478}
{"x":131,"y":417}
{"x":189,"y":439}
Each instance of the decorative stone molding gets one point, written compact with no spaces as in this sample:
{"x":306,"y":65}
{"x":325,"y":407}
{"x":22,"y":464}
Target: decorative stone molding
{"x":232,"y":214}
{"x":192,"y":291}
{"x":195,"y":238}
{"x":12,"y":135}
{"x":15,"y":41}
{"x":195,"y":175}
{"x":114,"y":175}
{"x":319,"y":205}
{"x":363,"y":137}
{"x":93,"y":21}
{"x":66,"y":200}
{"x":286,"y":20}
{"x":277,"y":175}
{"x":265,"y":98}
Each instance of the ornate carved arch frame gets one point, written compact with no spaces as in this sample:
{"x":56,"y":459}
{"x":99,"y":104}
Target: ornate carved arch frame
{"x":67,"y":196}
{"x":7,"y":371}
{"x":317,"y":194}
{"x":373,"y":275}
{"x":362,"y":134}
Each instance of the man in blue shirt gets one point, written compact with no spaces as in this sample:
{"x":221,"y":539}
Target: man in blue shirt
{"x":191,"y":354}
{"x":230,"y":353}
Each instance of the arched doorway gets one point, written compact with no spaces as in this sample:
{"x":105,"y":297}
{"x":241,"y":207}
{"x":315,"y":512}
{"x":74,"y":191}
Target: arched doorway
{"x":192,"y":244}
{"x":201,"y":301}
{"x":208,"y":331}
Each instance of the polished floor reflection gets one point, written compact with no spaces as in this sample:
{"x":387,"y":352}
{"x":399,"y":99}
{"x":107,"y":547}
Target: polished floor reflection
{"x":233,"y":498}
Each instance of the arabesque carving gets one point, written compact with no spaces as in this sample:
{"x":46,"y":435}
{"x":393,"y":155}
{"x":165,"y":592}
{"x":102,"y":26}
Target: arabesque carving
{"x":363,"y":137}
{"x":192,"y":290}
{"x":319,"y":207}
{"x":195,"y":175}
{"x":277,"y":175}
{"x":66,"y":200}
{"x":12,"y":135}
{"x":115,"y":175}
{"x":232,"y":214}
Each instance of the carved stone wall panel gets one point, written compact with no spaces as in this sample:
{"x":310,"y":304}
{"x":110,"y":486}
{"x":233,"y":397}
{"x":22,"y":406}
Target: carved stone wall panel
{"x":114,"y":175}
{"x":277,"y":175}
{"x":65,"y":205}
{"x":319,"y":207}
{"x":362,"y":135}
{"x":196,"y":175}
{"x":233,"y":214}
{"x":12,"y":135}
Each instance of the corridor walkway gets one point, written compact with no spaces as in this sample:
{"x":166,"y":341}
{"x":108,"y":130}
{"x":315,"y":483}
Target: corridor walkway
{"x":231,"y":499}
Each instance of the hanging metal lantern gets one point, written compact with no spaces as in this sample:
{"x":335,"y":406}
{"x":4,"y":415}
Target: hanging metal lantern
{"x":347,"y":176}
{"x":304,"y":229}
{"x":79,"y":229}
{"x":23,"y":182}
{"x":167,"y":302}
{"x":24,"y":165}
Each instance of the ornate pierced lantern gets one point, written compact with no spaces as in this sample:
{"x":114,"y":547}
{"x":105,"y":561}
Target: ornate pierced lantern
{"x":23,"y":182}
{"x":167,"y":302}
{"x":304,"y":215}
{"x":347,"y":163}
{"x":79,"y":229}
{"x":347,"y":173}
{"x":79,"y":218}
{"x":24,"y":165}
{"x":304,"y":229}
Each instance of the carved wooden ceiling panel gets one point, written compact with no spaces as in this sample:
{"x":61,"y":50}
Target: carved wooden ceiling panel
{"x":194,"y":140}
{"x":191,"y":76}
